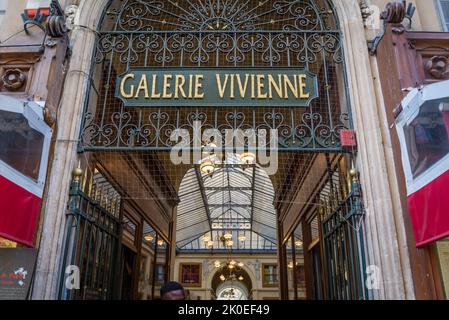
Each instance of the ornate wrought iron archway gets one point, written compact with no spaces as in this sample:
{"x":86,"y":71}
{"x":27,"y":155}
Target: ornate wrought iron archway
{"x":220,"y":34}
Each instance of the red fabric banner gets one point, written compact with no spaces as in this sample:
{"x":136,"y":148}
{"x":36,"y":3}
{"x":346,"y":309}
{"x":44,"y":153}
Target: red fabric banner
{"x":19,"y":212}
{"x":429,"y":211}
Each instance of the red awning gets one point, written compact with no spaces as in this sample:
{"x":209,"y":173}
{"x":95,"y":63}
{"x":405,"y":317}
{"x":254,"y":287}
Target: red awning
{"x":19,"y":212}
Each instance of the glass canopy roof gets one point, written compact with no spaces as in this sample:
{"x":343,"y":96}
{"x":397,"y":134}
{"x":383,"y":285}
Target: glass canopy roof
{"x":236,"y":199}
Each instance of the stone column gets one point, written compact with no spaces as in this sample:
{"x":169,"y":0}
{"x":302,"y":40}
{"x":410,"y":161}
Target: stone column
{"x":70,"y":112}
{"x":384,"y":225}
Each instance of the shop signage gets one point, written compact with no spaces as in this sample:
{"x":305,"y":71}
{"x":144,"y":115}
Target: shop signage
{"x":16,"y":272}
{"x":239,"y":87}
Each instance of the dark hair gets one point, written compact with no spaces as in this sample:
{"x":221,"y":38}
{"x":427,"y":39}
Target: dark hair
{"x":170,"y":286}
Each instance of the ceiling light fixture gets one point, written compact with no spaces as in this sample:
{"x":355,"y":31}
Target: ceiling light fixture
{"x":248,"y":158}
{"x":207,"y":167}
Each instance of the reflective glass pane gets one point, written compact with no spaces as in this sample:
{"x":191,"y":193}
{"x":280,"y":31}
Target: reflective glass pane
{"x":20,"y":145}
{"x":427,"y":136}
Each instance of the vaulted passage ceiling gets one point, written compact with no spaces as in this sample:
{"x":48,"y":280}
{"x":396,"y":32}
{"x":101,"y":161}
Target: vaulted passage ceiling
{"x":236,"y":199}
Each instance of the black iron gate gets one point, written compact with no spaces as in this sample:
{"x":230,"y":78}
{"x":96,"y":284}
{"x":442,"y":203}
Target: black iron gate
{"x":92,"y":244}
{"x":341,"y":215}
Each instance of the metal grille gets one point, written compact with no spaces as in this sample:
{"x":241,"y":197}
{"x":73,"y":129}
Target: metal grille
{"x":92,"y":244}
{"x":341,"y":214}
{"x":219,"y":34}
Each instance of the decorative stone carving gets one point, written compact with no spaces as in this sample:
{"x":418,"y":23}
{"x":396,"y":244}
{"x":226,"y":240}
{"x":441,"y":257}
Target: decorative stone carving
{"x":49,"y":116}
{"x":438,"y":67}
{"x":13,"y":79}
{"x":394,"y":12}
{"x":56,"y":25}
{"x":365,"y":10}
{"x":70,"y":13}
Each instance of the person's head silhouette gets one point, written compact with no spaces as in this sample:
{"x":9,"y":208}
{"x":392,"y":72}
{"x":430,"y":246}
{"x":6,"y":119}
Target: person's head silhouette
{"x":172,"y":291}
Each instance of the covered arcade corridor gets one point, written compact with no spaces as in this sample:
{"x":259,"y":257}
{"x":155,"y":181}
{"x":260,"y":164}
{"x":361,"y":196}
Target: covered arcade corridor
{"x":217,"y":149}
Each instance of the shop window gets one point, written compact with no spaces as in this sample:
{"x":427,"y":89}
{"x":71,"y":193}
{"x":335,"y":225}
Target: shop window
{"x":2,"y":10}
{"x":190,"y":274}
{"x":21,"y":145}
{"x":161,"y":265}
{"x":145,"y":287}
{"x":299,"y":272}
{"x":5,"y":243}
{"x":270,"y":275}
{"x":129,"y":230}
{"x":160,"y":274}
{"x":444,"y":12}
{"x":443,"y":257}
{"x":427,"y":136}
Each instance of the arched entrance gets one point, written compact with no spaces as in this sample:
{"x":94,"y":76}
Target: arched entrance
{"x":119,"y":143}
{"x":232,"y":284}
{"x":145,"y":107}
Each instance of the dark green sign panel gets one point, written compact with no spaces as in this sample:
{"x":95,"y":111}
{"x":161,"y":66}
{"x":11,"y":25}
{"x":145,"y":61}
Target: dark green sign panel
{"x":239,"y":87}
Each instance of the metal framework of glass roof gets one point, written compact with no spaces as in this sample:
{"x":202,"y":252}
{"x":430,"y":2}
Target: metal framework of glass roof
{"x":236,"y":199}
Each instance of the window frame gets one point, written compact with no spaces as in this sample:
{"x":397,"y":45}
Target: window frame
{"x":189,"y":284}
{"x":264,"y":282}
{"x":411,"y":106}
{"x":444,"y":23}
{"x":34,"y":115}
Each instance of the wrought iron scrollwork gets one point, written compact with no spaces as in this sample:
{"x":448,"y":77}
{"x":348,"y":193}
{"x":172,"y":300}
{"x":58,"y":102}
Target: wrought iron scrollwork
{"x":219,"y":33}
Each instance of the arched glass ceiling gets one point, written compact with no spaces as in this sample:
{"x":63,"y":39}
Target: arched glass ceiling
{"x":237,"y":198}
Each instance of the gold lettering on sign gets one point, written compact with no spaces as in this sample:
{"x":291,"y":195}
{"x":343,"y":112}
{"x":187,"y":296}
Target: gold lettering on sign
{"x":302,"y":86}
{"x":198,"y":86}
{"x":143,"y":85}
{"x":289,"y":85}
{"x":154,"y":94}
{"x":191,"y":86}
{"x":222,"y":87}
{"x":277,"y":86}
{"x":253,"y":91}
{"x":260,"y":86}
{"x":179,"y":86}
{"x":242,"y":87}
{"x":167,"y":85}
{"x":131,"y":87}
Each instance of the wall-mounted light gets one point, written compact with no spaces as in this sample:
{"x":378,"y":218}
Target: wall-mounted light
{"x":298,"y":243}
{"x":241,"y":278}
{"x":240,"y":264}
{"x":160,"y":243}
{"x":217,"y":264}
{"x":35,"y":7}
{"x":222,"y":278}
{"x":149,"y":238}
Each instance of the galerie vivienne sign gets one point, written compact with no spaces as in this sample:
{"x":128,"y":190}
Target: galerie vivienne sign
{"x":188,"y":87}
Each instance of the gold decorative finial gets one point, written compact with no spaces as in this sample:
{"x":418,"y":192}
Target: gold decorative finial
{"x":354,"y":173}
{"x":78,"y":172}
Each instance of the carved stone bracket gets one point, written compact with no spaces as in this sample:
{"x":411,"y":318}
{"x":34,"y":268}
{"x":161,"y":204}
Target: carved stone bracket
{"x":365,"y":10}
{"x":54,"y":25}
{"x":438,"y":67}
{"x":394,"y":14}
